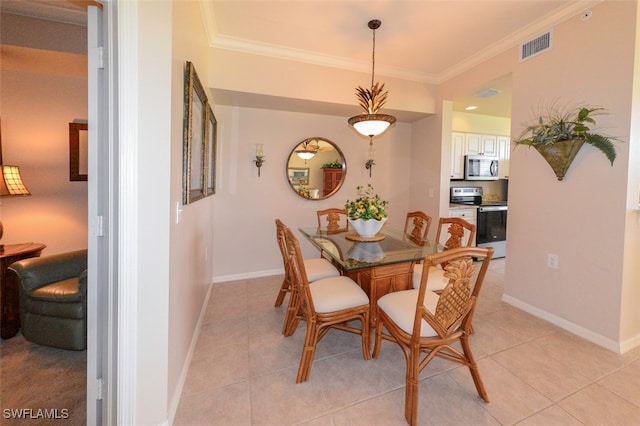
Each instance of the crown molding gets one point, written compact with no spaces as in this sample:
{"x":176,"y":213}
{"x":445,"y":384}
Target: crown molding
{"x":282,"y":52}
{"x":222,"y":41}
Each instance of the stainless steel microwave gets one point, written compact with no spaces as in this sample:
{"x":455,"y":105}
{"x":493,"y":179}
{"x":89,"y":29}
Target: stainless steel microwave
{"x":480,"y":167}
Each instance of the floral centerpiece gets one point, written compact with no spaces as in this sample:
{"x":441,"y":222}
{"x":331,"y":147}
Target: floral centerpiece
{"x":367,"y":213}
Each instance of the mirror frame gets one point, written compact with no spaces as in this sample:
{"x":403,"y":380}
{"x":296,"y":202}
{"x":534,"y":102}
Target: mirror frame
{"x":343,"y":168}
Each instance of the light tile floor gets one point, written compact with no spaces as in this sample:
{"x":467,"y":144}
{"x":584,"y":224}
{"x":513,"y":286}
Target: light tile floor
{"x":243,"y":371}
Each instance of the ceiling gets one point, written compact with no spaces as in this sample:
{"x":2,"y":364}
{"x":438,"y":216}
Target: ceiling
{"x":421,"y":40}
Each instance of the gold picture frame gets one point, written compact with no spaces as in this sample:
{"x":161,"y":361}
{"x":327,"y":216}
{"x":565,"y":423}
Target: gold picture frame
{"x":194,"y":137}
{"x":211,"y":151}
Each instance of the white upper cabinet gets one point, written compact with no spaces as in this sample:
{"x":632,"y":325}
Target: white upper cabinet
{"x":489,"y":145}
{"x":477,"y":144}
{"x":457,"y":155}
{"x":504,"y":151}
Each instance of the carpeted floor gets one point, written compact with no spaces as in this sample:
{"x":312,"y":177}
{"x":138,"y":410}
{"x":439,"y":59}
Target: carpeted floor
{"x":41,"y":385}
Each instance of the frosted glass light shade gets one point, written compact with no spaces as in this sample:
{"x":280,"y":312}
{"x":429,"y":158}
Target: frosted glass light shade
{"x":305,"y":155}
{"x":371,"y":124}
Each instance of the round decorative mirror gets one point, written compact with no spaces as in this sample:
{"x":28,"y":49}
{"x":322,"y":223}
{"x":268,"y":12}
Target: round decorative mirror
{"x":316,"y":168}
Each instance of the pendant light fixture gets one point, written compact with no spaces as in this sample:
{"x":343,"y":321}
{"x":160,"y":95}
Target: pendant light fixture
{"x":308,"y":149}
{"x":372,"y":122}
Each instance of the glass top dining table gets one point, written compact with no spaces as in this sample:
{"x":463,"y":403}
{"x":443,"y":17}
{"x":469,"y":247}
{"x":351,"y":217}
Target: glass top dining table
{"x":395,"y":247}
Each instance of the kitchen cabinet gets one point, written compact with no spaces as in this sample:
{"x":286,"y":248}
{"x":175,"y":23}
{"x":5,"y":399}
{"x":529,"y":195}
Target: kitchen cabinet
{"x":457,"y":155}
{"x":477,"y":144}
{"x":504,"y":151}
{"x":467,"y":213}
{"x":331,"y":180}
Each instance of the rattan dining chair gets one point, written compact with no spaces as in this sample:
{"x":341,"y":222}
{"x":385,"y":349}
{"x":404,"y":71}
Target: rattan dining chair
{"x":325,"y":304}
{"x":316,"y":269}
{"x":333,"y":220}
{"x":417,"y":225}
{"x":455,"y":227}
{"x":426,"y":324}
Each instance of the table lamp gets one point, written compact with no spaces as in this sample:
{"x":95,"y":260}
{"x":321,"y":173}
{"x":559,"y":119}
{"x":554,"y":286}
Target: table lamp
{"x":11,"y":184}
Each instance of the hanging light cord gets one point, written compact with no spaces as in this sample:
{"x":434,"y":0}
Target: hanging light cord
{"x":373,"y":59}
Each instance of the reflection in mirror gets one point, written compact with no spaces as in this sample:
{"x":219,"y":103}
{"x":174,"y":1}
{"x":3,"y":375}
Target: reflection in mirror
{"x":316,"y":168}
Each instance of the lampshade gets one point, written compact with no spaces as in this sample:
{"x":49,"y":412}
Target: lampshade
{"x":372,"y":123}
{"x":305,"y":155}
{"x":11,"y":182}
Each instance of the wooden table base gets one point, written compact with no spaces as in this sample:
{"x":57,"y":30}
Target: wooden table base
{"x":380,"y":280}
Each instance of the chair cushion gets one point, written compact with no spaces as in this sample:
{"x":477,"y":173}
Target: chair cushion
{"x":58,"y":299}
{"x":400,"y":306}
{"x":436,"y":281}
{"x":337,"y":293}
{"x":59,"y":291}
{"x":318,"y":268}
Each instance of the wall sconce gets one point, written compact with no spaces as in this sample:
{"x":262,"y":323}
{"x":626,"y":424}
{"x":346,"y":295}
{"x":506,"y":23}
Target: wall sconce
{"x":371,"y":161}
{"x":259,"y":157}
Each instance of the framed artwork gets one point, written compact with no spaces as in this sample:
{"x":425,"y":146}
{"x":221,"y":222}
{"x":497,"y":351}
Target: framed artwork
{"x":298,"y":175}
{"x":211,"y":151}
{"x":78,"y":152}
{"x":194,"y":137}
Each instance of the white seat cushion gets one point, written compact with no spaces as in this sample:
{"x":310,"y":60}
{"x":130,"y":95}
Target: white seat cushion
{"x":436,"y":280}
{"x":337,"y":293}
{"x":400,"y":306}
{"x":318,"y":268}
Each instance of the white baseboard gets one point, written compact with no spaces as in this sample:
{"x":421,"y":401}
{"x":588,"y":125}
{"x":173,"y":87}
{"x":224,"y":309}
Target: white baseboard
{"x":598,"y":339}
{"x":175,"y":402}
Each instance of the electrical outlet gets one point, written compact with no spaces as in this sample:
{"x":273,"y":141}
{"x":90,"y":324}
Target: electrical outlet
{"x":552,"y":261}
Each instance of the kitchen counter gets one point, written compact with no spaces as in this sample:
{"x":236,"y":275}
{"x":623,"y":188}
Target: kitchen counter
{"x":454,"y":206}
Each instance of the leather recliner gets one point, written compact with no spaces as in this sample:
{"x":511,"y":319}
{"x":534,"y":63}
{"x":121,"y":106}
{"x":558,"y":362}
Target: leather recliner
{"x":53,"y":299}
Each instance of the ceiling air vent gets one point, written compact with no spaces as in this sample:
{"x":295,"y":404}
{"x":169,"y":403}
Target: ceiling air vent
{"x":535,"y":46}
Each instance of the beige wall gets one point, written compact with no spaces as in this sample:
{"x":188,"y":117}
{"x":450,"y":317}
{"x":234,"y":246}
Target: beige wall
{"x":581,"y":219}
{"x":191,"y":240}
{"x":630,"y":315}
{"x":41,"y":93}
{"x":479,"y":123}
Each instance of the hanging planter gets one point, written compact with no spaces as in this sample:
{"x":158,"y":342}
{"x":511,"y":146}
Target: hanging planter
{"x":560,"y":155}
{"x":559,"y":134}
